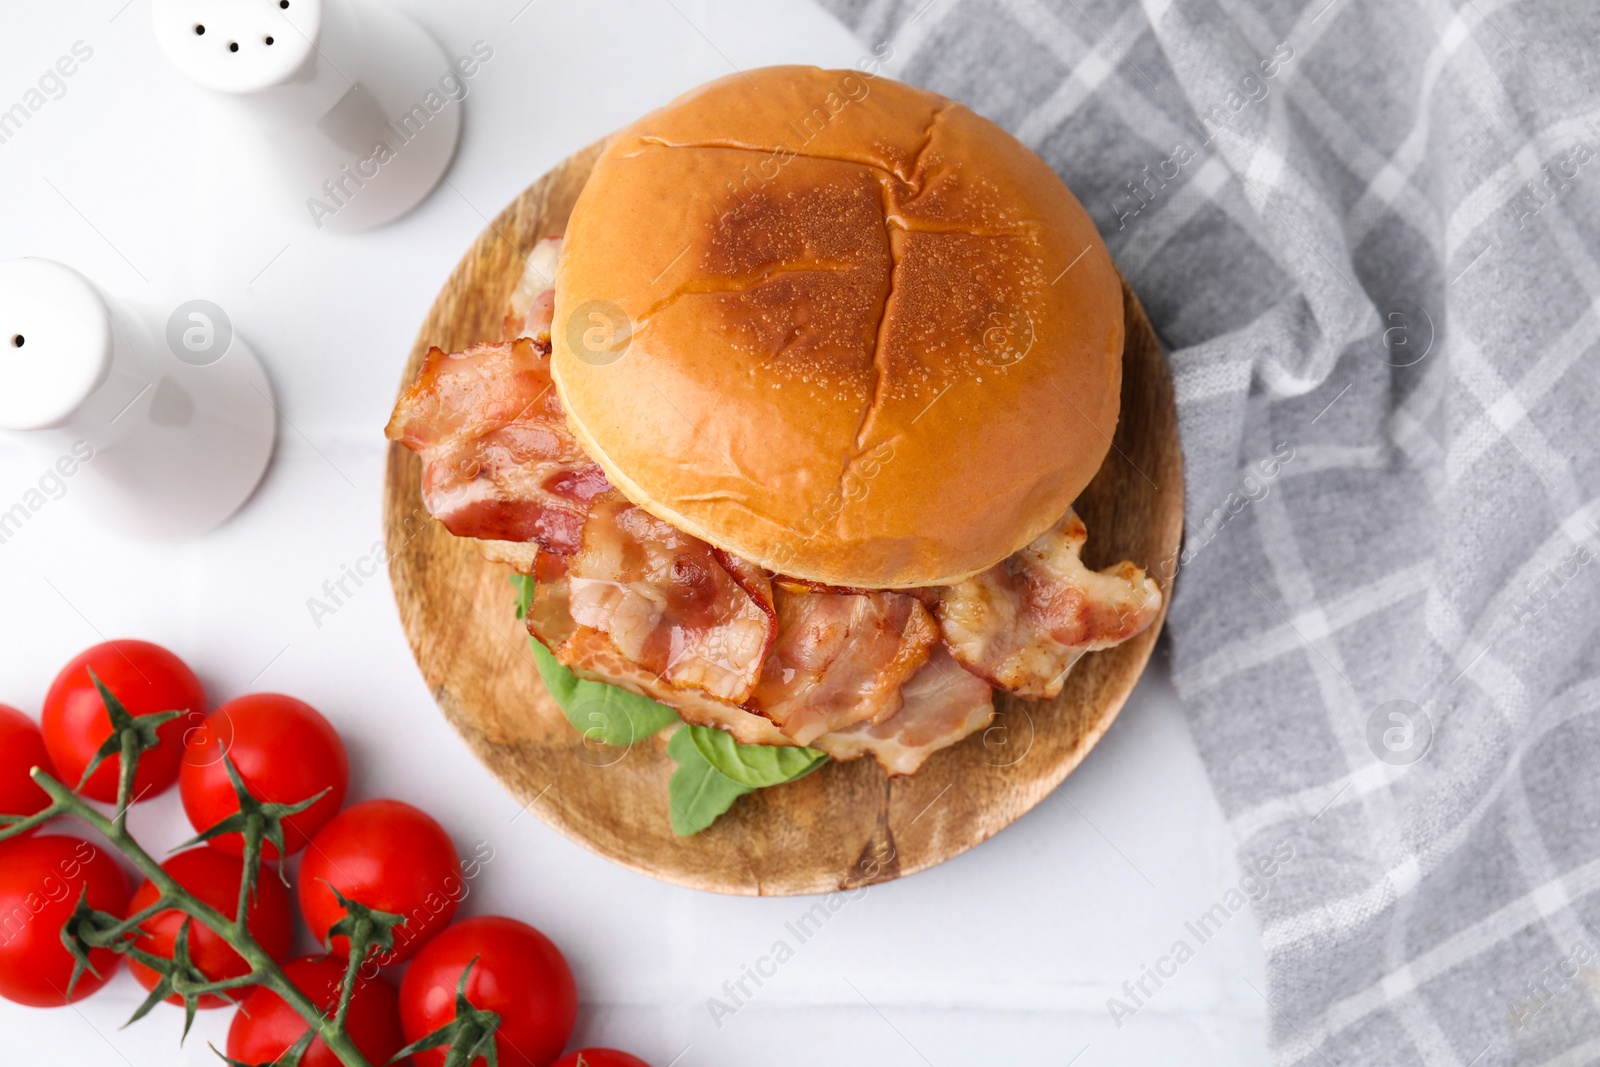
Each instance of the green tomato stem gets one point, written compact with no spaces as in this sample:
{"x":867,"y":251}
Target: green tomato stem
{"x":352,"y":970}
{"x":22,"y":826}
{"x":127,"y":767}
{"x":133,"y":921}
{"x":264,"y":970}
{"x":249,"y":871}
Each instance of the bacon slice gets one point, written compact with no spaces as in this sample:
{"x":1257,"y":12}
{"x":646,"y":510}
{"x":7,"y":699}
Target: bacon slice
{"x":1023,"y":623}
{"x":840,"y":659}
{"x":520,"y":556}
{"x":533,"y":302}
{"x":943,"y":705}
{"x":498,"y":460}
{"x":667,"y":602}
{"x":593,"y":654}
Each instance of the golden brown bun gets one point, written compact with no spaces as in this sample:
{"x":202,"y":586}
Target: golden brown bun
{"x":874,"y":340}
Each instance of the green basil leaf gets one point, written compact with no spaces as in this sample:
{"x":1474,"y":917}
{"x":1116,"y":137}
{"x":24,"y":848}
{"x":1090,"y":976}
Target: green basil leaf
{"x":754,"y":766}
{"x":697,"y":791}
{"x":605,"y":713}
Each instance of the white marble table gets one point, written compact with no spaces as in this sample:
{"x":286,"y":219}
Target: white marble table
{"x":1005,"y":955}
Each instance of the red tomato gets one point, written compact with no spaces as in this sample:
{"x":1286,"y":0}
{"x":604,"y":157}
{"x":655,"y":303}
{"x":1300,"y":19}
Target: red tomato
{"x":265,"y":1026}
{"x":389,"y":856}
{"x":519,"y":974}
{"x":21,"y":750}
{"x":214,"y":878}
{"x":284,"y":750}
{"x":599,"y":1057}
{"x":146,"y":678}
{"x":41,"y":879}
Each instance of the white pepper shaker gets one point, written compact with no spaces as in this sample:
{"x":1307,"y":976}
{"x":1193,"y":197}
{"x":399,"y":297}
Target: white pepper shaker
{"x":166,"y":421}
{"x":345,"y":102}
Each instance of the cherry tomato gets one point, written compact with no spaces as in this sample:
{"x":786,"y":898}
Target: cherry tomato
{"x":599,"y":1057}
{"x":41,"y":879}
{"x":389,"y":856}
{"x":265,"y":1026}
{"x":214,"y":878}
{"x":21,"y":750}
{"x":285,"y":752}
{"x":146,"y":678}
{"x":519,"y":974}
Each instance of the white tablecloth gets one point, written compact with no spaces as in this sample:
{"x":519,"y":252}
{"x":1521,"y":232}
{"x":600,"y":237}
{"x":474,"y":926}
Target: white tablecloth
{"x":1005,"y":955}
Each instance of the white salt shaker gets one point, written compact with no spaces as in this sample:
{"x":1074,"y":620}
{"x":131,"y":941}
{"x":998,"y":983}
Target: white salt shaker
{"x":166,"y":421}
{"x":347,"y":103}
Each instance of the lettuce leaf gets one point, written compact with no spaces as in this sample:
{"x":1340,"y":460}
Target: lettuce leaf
{"x":604,"y":713}
{"x":698,"y":792}
{"x":753,"y":766}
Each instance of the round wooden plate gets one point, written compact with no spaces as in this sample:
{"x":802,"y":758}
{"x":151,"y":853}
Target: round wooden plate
{"x":841,"y":827}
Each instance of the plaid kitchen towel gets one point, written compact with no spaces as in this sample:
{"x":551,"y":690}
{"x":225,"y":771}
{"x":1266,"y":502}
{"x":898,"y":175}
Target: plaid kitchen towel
{"x":1369,"y":235}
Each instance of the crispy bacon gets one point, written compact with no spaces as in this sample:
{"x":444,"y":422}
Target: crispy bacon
{"x":520,"y":556}
{"x":943,"y":705}
{"x":499,"y":462}
{"x":1023,"y":623}
{"x":840,"y":659}
{"x":667,"y":602}
{"x":549,"y":616}
{"x":751,"y":578}
{"x":592,"y":654}
{"x":533,"y":302}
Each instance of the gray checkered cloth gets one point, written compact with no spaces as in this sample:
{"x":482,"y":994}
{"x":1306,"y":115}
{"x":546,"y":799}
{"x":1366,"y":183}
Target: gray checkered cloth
{"x":1369,"y":236}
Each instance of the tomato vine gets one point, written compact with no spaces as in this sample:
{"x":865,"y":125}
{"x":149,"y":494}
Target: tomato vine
{"x":468,"y":1036}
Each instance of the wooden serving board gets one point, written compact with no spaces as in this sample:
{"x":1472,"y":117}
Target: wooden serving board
{"x":841,"y":827}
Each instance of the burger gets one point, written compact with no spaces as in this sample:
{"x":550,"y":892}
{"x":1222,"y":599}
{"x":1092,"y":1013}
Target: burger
{"x":787,"y":426}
